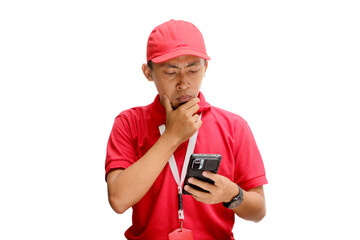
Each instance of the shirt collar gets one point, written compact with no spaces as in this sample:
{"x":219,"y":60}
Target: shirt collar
{"x":158,"y":113}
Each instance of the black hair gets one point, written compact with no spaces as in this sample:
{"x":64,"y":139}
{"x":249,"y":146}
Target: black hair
{"x":150,"y":65}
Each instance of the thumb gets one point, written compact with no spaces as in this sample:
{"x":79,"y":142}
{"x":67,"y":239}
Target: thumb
{"x":167,"y":105}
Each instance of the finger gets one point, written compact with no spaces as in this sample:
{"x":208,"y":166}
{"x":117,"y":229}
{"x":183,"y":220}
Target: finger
{"x":195,"y":118}
{"x":204,"y":185}
{"x":167,"y":105}
{"x":190,"y":103}
{"x":197,"y":193}
{"x":211,"y":175}
{"x":203,"y":200}
{"x":193,"y":109}
{"x":198,"y":124}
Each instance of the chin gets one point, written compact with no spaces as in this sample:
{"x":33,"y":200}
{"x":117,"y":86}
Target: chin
{"x":177,"y":105}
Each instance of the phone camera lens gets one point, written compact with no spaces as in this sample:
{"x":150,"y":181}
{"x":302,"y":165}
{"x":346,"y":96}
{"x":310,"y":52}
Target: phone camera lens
{"x":198,"y":164}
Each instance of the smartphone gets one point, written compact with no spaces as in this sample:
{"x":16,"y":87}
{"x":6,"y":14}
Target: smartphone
{"x":199,"y":163}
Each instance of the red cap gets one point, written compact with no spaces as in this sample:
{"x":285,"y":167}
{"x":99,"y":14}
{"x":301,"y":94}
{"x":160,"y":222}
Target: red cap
{"x":173,"y":39}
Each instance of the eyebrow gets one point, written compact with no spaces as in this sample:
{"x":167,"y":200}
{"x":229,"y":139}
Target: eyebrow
{"x":189,"y":65}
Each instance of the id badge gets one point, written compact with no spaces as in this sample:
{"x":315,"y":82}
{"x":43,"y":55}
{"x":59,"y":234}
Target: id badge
{"x":181,"y":234}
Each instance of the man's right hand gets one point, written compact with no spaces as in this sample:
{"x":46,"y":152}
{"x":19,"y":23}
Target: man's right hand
{"x":182,"y":123}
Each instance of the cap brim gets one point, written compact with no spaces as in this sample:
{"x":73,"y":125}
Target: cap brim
{"x":178,"y":53}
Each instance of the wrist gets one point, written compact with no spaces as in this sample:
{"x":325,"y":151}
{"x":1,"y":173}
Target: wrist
{"x":236,"y":201}
{"x":170,"y":139}
{"x":234,"y":191}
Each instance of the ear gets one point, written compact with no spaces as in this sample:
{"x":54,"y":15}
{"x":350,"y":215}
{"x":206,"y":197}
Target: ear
{"x":147,"y":72}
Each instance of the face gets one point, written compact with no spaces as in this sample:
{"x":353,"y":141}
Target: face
{"x":178,"y":78}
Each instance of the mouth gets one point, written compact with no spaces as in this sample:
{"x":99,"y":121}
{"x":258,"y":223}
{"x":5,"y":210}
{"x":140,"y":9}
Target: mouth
{"x":183,"y":99}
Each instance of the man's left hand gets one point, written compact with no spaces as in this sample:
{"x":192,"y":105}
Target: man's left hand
{"x":223,"y":190}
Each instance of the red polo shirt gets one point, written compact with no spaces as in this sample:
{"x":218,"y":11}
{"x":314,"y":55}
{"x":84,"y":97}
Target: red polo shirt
{"x":136,"y":130}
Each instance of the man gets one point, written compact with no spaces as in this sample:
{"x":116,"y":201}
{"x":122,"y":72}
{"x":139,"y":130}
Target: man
{"x":137,"y":171}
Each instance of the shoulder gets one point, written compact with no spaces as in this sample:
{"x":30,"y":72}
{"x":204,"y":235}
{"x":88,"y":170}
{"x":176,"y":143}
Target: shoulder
{"x":133,"y":113}
{"x":225,"y":117}
{"x":131,"y":118}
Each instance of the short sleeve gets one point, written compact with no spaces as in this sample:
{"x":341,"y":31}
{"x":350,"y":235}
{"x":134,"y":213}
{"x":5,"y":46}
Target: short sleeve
{"x":249,"y":170}
{"x":120,"y":152}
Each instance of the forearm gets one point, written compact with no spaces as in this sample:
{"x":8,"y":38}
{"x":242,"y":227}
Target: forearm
{"x":253,"y":206}
{"x":128,"y":187}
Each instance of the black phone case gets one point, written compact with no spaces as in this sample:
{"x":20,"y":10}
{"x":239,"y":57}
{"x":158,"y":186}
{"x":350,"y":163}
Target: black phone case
{"x":212,"y":166}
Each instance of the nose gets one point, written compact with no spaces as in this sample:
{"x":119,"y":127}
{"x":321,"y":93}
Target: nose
{"x":183,"y":83}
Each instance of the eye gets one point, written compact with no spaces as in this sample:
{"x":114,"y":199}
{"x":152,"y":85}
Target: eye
{"x":193,"y":71}
{"x":170,"y":73}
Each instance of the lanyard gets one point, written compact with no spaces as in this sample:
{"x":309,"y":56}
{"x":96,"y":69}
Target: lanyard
{"x":174,"y":169}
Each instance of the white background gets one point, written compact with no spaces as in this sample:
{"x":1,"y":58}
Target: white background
{"x":67,"y":68}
